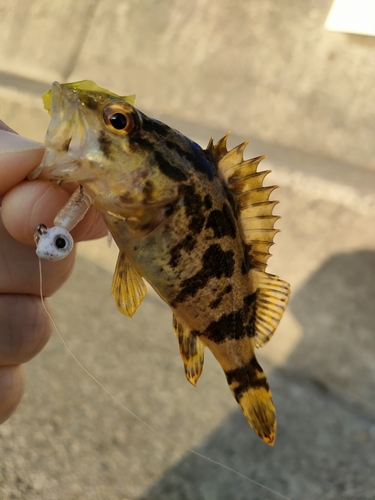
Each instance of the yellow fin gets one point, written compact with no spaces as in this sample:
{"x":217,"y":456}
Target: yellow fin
{"x":248,"y":168}
{"x":128,"y":287}
{"x":255,"y":401}
{"x":255,"y":207}
{"x":248,"y":383}
{"x":191,"y":350}
{"x":272,"y":298}
{"x":87,"y":85}
{"x":257,"y":222}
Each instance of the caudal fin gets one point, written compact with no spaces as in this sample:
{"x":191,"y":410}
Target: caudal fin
{"x":250,"y":388}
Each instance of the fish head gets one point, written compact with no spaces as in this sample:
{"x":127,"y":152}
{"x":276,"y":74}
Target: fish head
{"x":96,"y":138}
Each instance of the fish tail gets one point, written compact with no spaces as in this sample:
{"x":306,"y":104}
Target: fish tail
{"x":250,"y":388}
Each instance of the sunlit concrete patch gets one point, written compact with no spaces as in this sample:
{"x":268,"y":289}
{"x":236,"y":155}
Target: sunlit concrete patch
{"x":352,"y":16}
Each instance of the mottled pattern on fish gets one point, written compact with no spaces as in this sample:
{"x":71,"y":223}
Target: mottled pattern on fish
{"x":196,"y":224}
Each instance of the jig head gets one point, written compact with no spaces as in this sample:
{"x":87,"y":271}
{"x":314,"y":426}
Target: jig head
{"x":56,"y":243}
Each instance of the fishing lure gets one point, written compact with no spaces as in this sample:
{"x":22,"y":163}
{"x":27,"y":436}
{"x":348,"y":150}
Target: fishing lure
{"x":56,"y":243}
{"x":196,"y":224}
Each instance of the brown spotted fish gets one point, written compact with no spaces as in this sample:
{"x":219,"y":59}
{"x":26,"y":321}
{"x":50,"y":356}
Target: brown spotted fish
{"x":195,"y":223}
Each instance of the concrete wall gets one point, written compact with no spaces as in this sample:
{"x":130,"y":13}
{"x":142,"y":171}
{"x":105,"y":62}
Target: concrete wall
{"x":265,"y":69}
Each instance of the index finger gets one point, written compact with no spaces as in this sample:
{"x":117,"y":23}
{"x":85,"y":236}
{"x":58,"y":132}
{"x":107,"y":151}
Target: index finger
{"x":18,"y":157}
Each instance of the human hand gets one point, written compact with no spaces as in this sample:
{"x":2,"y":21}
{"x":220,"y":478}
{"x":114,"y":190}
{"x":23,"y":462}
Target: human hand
{"x":24,"y":325}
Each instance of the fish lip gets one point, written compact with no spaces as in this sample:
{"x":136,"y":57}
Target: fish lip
{"x":64,"y":159}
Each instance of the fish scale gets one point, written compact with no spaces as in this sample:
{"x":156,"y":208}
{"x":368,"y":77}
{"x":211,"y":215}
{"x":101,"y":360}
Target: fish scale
{"x":196,"y":224}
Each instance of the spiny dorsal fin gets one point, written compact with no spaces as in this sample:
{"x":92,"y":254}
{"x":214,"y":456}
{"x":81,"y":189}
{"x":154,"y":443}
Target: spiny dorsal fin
{"x":191,"y":350}
{"x":128,"y":287}
{"x":220,"y":149}
{"x":255,"y":208}
{"x":257,"y":221}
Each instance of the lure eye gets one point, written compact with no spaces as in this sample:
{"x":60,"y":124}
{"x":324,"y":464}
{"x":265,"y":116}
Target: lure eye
{"x":118,"y":119}
{"x":60,"y":243}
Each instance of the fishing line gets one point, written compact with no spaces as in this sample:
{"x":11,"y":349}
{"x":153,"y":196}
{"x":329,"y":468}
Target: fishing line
{"x":117,"y":401}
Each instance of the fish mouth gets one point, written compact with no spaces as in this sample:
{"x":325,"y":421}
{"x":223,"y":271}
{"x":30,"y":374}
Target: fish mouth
{"x":60,"y":169}
{"x":68,"y":140}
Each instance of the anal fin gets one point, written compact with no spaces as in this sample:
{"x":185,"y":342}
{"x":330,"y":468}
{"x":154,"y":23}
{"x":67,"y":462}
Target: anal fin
{"x":271,"y":301}
{"x":128,"y":287}
{"x":191,"y":350}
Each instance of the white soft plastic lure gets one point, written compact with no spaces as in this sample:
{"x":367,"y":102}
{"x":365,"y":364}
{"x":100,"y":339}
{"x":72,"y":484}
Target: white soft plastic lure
{"x":56,"y":243}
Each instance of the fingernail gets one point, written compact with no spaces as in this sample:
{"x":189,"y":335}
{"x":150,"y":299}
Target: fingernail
{"x":14,"y":143}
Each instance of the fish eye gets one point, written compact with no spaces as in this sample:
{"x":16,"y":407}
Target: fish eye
{"x":118,"y":119}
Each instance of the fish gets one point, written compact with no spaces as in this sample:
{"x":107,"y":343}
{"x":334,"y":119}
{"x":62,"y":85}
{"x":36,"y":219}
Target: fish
{"x":196,"y":224}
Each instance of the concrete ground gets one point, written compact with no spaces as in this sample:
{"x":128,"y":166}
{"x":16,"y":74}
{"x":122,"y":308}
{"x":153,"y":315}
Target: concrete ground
{"x":69,"y":439}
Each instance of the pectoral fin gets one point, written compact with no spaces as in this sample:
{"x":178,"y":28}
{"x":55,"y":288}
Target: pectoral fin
{"x":191,"y":350}
{"x":128,"y":287}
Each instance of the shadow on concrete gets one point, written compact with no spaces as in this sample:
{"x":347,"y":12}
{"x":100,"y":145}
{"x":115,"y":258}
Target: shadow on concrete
{"x":336,"y":310}
{"x":324,"y":397}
